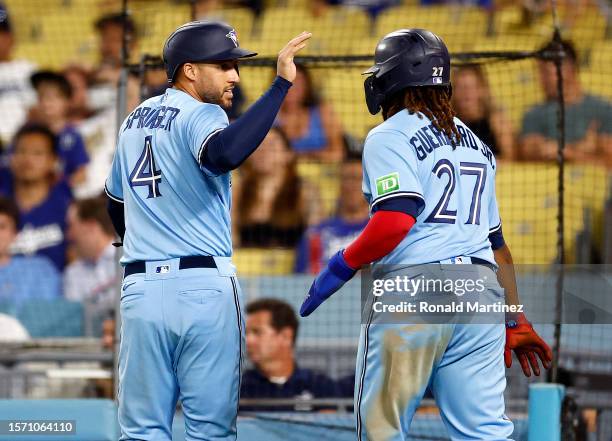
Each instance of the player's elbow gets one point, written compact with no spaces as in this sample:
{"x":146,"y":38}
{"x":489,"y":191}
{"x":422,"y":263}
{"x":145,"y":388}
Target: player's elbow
{"x":502,"y":255}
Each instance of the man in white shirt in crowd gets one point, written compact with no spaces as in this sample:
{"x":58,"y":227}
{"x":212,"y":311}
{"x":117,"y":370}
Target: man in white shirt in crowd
{"x":16,"y":94}
{"x":92,"y":276}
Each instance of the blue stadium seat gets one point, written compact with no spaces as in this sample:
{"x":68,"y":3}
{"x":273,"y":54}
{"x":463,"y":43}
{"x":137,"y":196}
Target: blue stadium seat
{"x":52,"y":318}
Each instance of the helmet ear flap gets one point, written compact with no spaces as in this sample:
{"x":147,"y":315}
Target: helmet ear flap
{"x":374,"y":97}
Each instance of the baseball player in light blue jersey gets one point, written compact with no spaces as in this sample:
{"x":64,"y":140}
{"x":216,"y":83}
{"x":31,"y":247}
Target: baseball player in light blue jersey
{"x":182,"y":333}
{"x":430,"y":183}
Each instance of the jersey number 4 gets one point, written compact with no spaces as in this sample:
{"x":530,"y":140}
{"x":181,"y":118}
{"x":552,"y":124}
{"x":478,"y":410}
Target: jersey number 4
{"x":441,"y":214}
{"x":146,"y":172}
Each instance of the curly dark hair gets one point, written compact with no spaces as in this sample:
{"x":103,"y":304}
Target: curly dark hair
{"x":432,"y":101}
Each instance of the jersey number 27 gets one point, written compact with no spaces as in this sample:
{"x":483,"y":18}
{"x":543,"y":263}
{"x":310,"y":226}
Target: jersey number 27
{"x":146,"y":172}
{"x":441,"y":214}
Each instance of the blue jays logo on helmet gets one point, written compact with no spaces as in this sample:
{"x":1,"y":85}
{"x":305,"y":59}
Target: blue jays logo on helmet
{"x":232,"y":36}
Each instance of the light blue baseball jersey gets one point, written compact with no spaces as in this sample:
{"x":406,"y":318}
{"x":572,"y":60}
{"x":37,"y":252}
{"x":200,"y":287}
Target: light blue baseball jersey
{"x":407,"y":156}
{"x":174,"y":206}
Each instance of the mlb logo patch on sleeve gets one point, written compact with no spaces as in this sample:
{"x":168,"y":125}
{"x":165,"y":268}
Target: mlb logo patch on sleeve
{"x":387,"y":183}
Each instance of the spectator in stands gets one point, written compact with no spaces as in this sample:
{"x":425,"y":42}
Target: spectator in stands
{"x":323,"y":240}
{"x":313,"y":128}
{"x":273,"y":205}
{"x":111,"y":29}
{"x":78,"y":78}
{"x":15,"y":91}
{"x":53,"y":107}
{"x":93,"y":275}
{"x":22,"y":278}
{"x":475,"y":107}
{"x":588,"y":130}
{"x":271,"y":332}
{"x":42,"y":199}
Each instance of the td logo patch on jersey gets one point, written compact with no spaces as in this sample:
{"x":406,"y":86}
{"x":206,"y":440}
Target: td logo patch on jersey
{"x":387,"y":183}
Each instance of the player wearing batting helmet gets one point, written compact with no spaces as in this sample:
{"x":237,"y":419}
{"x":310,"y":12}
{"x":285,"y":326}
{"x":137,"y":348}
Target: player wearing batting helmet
{"x":182,"y":333}
{"x":430,"y":183}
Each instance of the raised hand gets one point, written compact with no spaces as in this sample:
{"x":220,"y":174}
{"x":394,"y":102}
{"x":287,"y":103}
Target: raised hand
{"x":285,"y":67}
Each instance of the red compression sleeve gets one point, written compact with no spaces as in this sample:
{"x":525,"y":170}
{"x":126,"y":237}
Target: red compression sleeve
{"x":384,"y":231}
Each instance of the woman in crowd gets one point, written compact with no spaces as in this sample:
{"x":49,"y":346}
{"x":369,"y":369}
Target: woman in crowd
{"x":475,"y":107}
{"x":273,"y":205}
{"x":314,"y":130}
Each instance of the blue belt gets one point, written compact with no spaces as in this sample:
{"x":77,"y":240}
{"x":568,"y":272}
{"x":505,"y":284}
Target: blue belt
{"x":185,"y":263}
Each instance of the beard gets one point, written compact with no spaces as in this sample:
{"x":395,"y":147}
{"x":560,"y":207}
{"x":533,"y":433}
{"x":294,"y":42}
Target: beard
{"x":217,"y":97}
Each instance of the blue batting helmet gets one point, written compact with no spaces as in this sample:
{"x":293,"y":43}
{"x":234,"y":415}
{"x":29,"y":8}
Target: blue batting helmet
{"x":406,"y":58}
{"x":201,"y":41}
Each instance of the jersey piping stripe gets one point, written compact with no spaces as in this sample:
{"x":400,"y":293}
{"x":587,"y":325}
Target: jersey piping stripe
{"x":397,"y":195}
{"x":203,"y":146}
{"x":362,"y":376}
{"x":239,"y":317}
{"x":494,"y":229}
{"x":114,"y":198}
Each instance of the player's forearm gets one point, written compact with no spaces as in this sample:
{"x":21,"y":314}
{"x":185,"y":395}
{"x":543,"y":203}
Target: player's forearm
{"x":506,"y":275}
{"x":384,"y":232}
{"x":234,"y":144}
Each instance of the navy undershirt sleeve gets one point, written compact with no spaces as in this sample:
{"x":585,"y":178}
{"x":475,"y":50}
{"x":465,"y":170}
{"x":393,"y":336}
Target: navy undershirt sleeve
{"x":403,"y":204}
{"x":497,"y":239}
{"x":115,"y":211}
{"x":229,"y":148}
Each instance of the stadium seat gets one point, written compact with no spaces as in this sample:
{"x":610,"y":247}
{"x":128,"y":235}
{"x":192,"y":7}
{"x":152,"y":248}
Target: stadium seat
{"x":264,"y":261}
{"x":47,"y":42}
{"x":255,"y":80}
{"x":527,"y":195}
{"x":332,"y":33}
{"x":324,"y":177}
{"x":363,"y":46}
{"x":344,"y":88}
{"x":601,"y":55}
{"x":510,"y":21}
{"x":278,"y":26}
{"x":588,"y":187}
{"x":155,"y":22}
{"x":459,"y":26}
{"x":587,"y":27}
{"x":52,"y":318}
{"x":596,"y":81}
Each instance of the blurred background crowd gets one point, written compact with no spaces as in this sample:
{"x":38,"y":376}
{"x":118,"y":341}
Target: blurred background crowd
{"x":297,"y":199}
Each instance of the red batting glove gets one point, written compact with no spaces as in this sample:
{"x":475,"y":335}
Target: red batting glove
{"x":526,"y":343}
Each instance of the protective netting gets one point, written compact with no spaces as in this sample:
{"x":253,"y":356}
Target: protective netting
{"x":504,"y":89}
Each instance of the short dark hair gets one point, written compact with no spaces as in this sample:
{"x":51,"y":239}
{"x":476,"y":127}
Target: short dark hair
{"x":5,"y":22}
{"x":116,"y":19}
{"x":282,"y":314}
{"x":49,"y":77}
{"x":36,"y":129}
{"x":94,"y":209}
{"x":568,"y":48}
{"x":9,"y":208}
